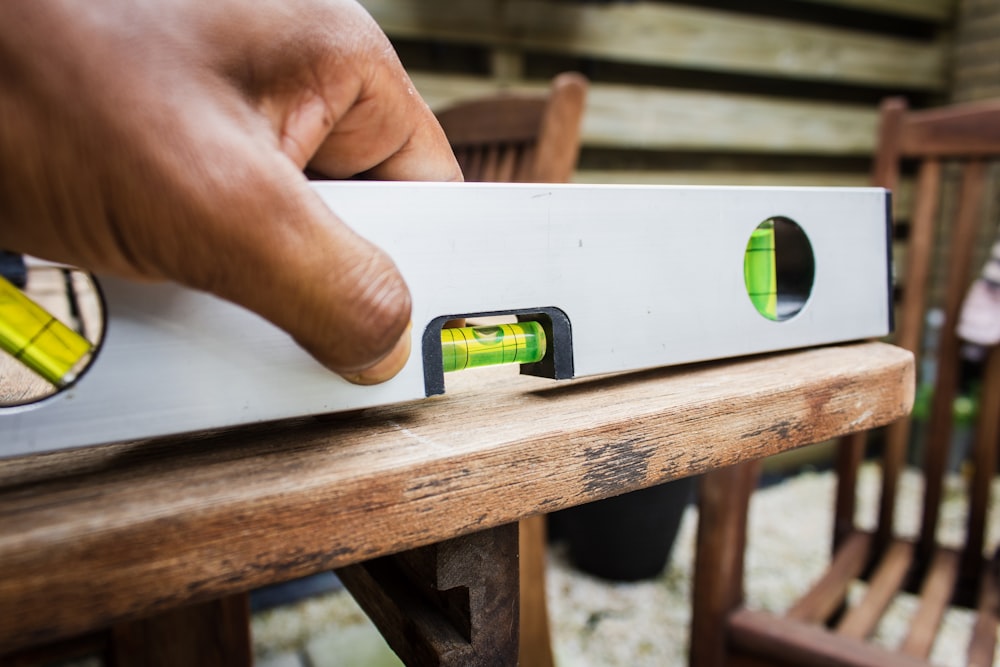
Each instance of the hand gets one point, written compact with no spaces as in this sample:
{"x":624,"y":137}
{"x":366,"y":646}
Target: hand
{"x":166,"y":140}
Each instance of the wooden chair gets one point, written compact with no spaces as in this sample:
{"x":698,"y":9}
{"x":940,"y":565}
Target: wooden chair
{"x":822,"y":628}
{"x":503,"y":138}
{"x":514,"y":138}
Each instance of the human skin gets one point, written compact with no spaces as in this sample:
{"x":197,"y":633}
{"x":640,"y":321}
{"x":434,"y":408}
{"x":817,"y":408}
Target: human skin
{"x":166,"y":140}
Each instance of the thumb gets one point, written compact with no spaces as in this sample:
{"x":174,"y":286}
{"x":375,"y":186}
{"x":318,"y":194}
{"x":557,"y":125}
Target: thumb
{"x":274,"y":247}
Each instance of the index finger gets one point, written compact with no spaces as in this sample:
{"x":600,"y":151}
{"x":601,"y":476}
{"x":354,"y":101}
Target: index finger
{"x":388,"y":133}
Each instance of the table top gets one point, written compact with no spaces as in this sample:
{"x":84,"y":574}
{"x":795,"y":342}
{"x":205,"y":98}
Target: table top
{"x":94,"y":536}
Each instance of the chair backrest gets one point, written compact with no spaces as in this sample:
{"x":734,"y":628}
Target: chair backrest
{"x":965,"y":138}
{"x":519,"y":138}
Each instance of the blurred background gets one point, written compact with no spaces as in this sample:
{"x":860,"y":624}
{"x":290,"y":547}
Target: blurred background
{"x":735,"y":92}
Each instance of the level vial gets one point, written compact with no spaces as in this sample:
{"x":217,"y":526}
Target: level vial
{"x":37,"y":339}
{"x":492,"y":345}
{"x":760,"y":271}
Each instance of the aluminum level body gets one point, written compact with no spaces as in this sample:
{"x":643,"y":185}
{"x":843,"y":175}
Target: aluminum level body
{"x":646,"y":276}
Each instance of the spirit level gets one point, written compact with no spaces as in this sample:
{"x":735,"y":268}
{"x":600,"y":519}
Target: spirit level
{"x":613,"y":278}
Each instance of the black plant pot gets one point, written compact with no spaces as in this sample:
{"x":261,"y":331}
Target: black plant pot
{"x":628,"y":537}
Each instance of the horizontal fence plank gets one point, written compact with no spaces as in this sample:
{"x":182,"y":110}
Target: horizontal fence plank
{"x":665,"y":34}
{"x":939,"y":11}
{"x":779,"y":178}
{"x":652,"y":118}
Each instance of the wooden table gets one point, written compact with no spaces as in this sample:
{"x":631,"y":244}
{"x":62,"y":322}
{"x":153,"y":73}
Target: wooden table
{"x":107,"y":535}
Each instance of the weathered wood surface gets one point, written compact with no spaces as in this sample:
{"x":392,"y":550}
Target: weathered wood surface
{"x":101,"y":535}
{"x":669,"y":34}
{"x":454,"y":603}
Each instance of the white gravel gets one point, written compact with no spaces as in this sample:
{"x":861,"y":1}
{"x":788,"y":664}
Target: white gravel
{"x":601,"y":624}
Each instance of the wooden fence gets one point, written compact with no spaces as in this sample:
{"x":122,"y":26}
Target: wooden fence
{"x":717,"y":91}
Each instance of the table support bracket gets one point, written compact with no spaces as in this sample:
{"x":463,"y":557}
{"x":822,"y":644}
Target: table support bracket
{"x":451,"y":603}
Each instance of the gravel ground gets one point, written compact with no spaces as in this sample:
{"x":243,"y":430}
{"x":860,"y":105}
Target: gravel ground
{"x":596,"y":623}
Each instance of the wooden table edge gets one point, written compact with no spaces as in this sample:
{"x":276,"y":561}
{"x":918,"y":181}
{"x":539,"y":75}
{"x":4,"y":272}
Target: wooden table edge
{"x":114,"y":533}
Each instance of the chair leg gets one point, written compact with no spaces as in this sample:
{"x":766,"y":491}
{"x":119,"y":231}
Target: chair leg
{"x":211,"y":634}
{"x":536,"y":646}
{"x":451,"y":603}
{"x":723,"y":500}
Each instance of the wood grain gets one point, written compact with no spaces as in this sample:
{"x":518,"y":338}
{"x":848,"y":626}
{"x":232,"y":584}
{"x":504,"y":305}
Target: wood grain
{"x":92,"y":537}
{"x":650,"y":117}
{"x":454,"y":603}
{"x":668,"y":34}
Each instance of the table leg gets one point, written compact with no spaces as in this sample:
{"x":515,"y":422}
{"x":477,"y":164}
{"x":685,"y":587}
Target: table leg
{"x":451,"y":603}
{"x":723,"y":502}
{"x":536,"y":642}
{"x":211,"y":634}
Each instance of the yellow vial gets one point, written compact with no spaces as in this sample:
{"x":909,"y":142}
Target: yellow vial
{"x":472,"y":347}
{"x":37,"y":339}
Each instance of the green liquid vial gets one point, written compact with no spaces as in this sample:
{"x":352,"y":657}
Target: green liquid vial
{"x":472,"y":347}
{"x":38,"y":340}
{"x":759,"y":271}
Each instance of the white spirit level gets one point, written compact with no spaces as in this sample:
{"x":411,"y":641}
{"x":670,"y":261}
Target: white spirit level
{"x":617,"y":277}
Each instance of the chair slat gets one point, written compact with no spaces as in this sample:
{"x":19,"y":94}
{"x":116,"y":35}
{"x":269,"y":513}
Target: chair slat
{"x":827,"y":594}
{"x":472,"y":166}
{"x":860,"y":621}
{"x":490,"y":168}
{"x":558,"y":154}
{"x":935,"y":594}
{"x":850,"y":453}
{"x":920,"y":255}
{"x":885,"y":167}
{"x":963,"y":238}
{"x":984,"y":633}
{"x":501,"y":119}
{"x":985,"y":464}
{"x":525,"y":171}
{"x":786,"y":640}
{"x":507,"y":162}
{"x":909,"y":331}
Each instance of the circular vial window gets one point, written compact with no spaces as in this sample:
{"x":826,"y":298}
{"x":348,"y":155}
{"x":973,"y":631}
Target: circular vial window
{"x":778,"y":268}
{"x":51,"y":322}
